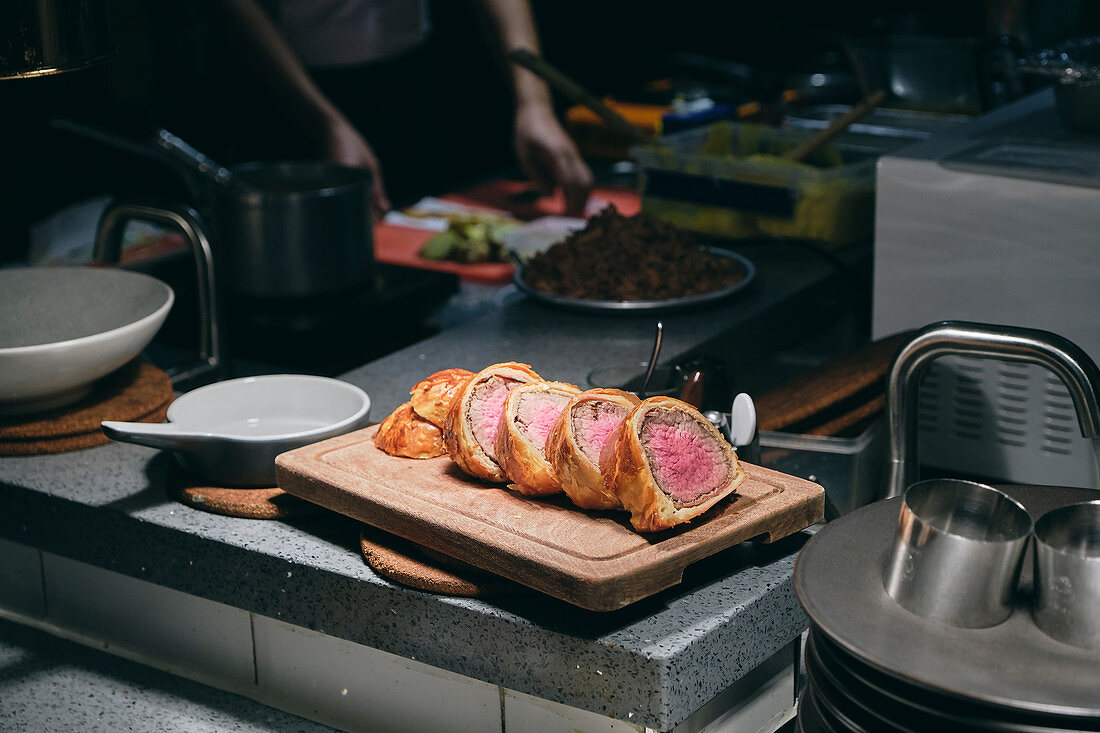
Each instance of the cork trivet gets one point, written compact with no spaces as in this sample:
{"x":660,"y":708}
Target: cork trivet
{"x":418,"y":567}
{"x":853,"y":421}
{"x":262,"y":503}
{"x":137,"y":392}
{"x":857,"y":377}
{"x":63,"y":443}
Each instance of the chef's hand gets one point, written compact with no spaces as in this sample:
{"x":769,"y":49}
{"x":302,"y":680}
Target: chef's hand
{"x":344,"y":145}
{"x":549,"y":157}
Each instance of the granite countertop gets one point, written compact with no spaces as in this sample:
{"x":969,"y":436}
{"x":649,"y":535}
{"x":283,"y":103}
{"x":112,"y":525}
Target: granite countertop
{"x":655,"y":662}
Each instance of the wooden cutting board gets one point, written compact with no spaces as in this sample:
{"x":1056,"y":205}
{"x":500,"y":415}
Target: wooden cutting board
{"x":591,"y":559}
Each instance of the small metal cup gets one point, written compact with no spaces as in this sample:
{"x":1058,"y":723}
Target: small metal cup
{"x":957,"y":554}
{"x":1066,"y":602}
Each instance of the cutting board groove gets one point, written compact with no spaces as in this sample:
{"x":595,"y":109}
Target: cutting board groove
{"x":591,"y":559}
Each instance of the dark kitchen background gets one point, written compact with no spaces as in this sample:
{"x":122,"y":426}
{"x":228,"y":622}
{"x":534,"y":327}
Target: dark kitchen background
{"x":438,"y":117}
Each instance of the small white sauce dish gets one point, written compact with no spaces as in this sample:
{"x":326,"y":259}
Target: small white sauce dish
{"x":230,"y":432}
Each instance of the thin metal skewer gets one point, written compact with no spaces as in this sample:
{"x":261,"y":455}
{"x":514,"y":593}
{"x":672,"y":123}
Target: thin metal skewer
{"x":653,"y":358}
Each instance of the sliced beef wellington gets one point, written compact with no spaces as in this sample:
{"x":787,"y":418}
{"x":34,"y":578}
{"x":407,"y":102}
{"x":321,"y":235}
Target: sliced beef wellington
{"x":470,"y":430}
{"x":529,"y":413}
{"x":432,"y":396}
{"x":668,"y":464}
{"x":406,"y":434}
{"x":577,"y":439}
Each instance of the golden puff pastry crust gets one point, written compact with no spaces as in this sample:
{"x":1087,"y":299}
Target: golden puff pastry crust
{"x":668,"y":464}
{"x":530,"y":411}
{"x":469,"y":432}
{"x":432,"y":396}
{"x":576,"y":440}
{"x":404,"y":433}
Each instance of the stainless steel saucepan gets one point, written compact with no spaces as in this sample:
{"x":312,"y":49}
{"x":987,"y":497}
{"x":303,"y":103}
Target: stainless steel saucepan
{"x":279,"y":228}
{"x":296,"y":229}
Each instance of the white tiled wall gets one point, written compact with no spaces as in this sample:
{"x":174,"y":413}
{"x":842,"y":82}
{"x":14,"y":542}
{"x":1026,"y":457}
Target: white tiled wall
{"x":527,"y":714}
{"x":21,"y":579}
{"x":337,"y":682}
{"x":364,"y":689}
{"x":200,"y":638}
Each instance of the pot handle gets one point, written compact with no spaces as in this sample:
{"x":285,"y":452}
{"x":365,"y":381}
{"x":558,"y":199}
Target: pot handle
{"x":108,"y":246}
{"x":165,"y":436}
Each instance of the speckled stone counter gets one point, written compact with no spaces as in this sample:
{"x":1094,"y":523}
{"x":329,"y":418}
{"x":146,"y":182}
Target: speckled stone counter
{"x":654,"y":663}
{"x":51,"y":684}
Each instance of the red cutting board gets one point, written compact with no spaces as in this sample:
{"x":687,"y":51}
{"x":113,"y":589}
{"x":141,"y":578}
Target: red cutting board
{"x":590,"y":559}
{"x":397,"y":245}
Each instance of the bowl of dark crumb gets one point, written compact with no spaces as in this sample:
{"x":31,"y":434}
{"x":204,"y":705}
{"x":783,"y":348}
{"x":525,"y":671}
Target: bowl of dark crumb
{"x":632,"y":263}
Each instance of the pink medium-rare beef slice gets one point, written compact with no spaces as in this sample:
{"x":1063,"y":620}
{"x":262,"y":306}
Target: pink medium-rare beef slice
{"x":537,"y":413}
{"x":485,"y":409}
{"x":686,"y":463}
{"x":576,"y":442}
{"x":667,"y":464}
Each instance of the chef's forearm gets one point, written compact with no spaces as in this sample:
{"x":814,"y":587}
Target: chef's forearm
{"x":510,"y":25}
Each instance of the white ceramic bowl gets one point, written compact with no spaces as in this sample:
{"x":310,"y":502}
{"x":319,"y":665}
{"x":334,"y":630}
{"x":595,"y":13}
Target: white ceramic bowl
{"x":62,"y":328}
{"x":230,"y":432}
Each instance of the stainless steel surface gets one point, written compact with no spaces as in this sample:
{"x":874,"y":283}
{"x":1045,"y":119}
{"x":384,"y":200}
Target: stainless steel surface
{"x":1072,"y":365}
{"x":718,"y":420}
{"x":847,"y":695}
{"x":41,"y":37}
{"x":1037,"y":184}
{"x":1066,"y":600}
{"x":851,"y":470}
{"x":108,"y":244}
{"x":882,"y":122}
{"x":304,"y":230}
{"x":938,"y":73}
{"x":654,"y":355}
{"x":667,"y":305}
{"x":1012,"y":666}
{"x":957,"y":554}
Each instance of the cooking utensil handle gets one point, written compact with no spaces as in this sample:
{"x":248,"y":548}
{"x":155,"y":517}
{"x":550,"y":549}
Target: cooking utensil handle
{"x":1068,"y":361}
{"x":575,"y":92}
{"x":153,"y":435}
{"x":193,"y":159}
{"x":143,"y":149}
{"x":108,"y":246}
{"x":837,"y":126}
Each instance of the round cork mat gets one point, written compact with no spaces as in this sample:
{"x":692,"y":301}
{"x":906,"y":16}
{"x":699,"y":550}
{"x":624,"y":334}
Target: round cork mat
{"x":262,"y":503}
{"x":419,"y":567}
{"x":137,"y":392}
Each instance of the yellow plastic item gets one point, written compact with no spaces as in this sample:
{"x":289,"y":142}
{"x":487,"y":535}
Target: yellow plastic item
{"x":644,"y":116}
{"x":832,"y":193}
{"x":596,"y":140}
